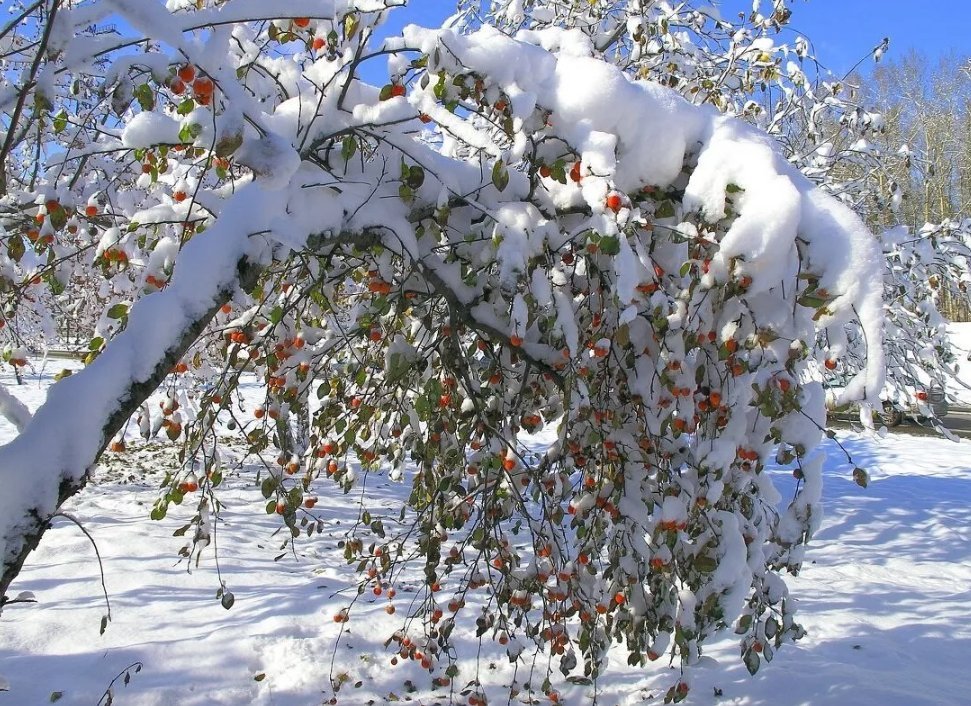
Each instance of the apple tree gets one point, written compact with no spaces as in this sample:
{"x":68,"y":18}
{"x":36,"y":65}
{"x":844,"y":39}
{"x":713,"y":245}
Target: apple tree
{"x":510,"y":237}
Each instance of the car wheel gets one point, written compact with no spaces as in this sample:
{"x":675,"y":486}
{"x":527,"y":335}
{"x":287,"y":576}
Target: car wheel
{"x":891,"y":416}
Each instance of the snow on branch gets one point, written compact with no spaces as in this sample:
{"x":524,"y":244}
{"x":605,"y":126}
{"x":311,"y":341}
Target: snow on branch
{"x":511,"y":234}
{"x":13,"y":410}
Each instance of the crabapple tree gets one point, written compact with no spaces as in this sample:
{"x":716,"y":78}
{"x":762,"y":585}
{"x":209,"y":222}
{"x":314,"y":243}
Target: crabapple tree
{"x":511,"y":236}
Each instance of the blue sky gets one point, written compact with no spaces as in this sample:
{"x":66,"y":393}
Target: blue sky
{"x":842,"y":31}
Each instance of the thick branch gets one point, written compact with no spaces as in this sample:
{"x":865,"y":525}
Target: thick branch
{"x":137,"y":393}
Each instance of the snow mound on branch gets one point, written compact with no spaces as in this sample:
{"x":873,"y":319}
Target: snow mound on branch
{"x":271,"y":158}
{"x":631,"y":134}
{"x":149,"y":129}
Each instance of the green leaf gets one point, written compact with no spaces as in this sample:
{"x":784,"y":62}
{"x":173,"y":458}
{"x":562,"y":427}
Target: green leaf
{"x":664,"y":210}
{"x":500,"y":176}
{"x":276,"y":315}
{"x":385,"y":93}
{"x":15,"y":247}
{"x":610,"y":245}
{"x":349,"y":143}
{"x":268,"y":486}
{"x":186,"y":107}
{"x":60,"y":124}
{"x":416,"y":177}
{"x":118,"y":311}
{"x":145,"y":96}
{"x":351,"y":24}
{"x":751,"y":660}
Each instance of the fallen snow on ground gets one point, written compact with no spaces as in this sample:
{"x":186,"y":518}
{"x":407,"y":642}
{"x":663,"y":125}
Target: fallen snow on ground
{"x":885,"y":598}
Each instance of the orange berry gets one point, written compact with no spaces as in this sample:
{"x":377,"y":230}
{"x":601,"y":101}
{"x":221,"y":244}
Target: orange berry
{"x":301,"y":21}
{"x":187,"y":73}
{"x":575,"y":172}
{"x":202,"y":86}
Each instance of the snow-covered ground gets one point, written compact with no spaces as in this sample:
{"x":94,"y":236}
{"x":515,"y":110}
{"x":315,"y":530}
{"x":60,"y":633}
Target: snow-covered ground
{"x":885,"y":597}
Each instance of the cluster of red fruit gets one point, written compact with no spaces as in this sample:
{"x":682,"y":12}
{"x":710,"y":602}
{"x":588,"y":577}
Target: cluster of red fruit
{"x":115,"y":255}
{"x":409,"y":650}
{"x":202,"y":86}
{"x":171,"y":424}
{"x":376,"y":285}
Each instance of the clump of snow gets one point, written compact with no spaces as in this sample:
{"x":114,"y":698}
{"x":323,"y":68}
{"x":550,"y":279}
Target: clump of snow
{"x":272,"y":159}
{"x":148,"y":129}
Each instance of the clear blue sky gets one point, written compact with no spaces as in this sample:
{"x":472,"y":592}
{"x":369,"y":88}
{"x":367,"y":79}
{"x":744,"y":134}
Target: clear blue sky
{"x":842,"y":31}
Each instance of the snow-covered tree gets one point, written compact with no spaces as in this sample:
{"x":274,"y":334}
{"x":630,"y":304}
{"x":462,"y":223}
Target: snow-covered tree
{"x":512,"y":234}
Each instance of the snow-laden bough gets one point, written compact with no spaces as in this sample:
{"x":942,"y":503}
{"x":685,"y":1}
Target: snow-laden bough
{"x":511,"y":236}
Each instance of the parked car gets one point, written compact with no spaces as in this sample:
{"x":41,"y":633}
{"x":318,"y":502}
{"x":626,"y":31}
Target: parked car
{"x":912,"y":403}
